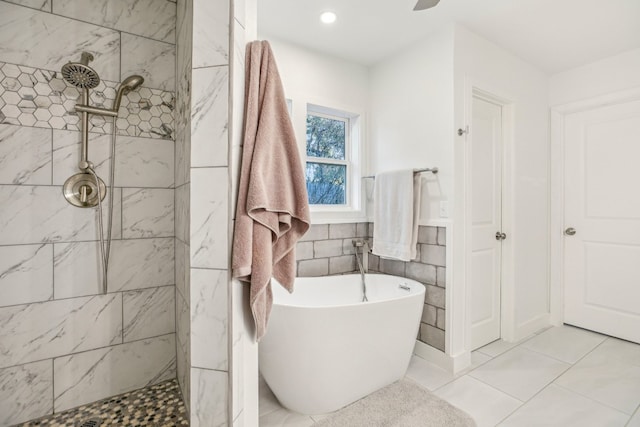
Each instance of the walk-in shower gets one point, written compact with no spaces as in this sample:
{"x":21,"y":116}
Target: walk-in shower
{"x":86,"y":189}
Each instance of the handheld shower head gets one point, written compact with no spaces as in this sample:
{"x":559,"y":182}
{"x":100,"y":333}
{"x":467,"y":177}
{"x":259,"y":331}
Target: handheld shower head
{"x":127,"y":85}
{"x":79,"y":74}
{"x":131,"y":83}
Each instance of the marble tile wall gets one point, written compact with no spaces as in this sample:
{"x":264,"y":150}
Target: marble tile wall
{"x":209,"y":104}
{"x":41,"y":98}
{"x":26,"y":391}
{"x":63,"y":343}
{"x":244,"y":364}
{"x":83,"y":377}
{"x":209,"y":214}
{"x":184,"y":43}
{"x":202,"y":208}
{"x":326,"y":249}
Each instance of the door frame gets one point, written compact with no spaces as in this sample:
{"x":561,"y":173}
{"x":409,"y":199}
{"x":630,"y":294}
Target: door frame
{"x":507,"y":305}
{"x":556,"y":190}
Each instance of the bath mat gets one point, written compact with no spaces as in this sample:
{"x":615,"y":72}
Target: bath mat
{"x":401,"y":404}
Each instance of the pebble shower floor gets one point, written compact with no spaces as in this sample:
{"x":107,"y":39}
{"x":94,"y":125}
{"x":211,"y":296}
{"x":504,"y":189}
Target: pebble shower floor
{"x":159,"y":405}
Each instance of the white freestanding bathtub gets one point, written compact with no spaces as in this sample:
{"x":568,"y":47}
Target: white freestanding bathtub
{"x":325,"y":348}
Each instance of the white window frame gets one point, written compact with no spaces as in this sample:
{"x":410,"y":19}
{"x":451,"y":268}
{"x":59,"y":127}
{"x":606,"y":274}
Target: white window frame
{"x":329,"y":161}
{"x":353,"y":209}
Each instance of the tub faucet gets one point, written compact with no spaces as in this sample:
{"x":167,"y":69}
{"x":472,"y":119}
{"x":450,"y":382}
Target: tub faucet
{"x":363,"y":265}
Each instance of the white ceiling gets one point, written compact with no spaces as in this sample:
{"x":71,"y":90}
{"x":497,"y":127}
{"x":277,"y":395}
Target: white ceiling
{"x":554,"y":35}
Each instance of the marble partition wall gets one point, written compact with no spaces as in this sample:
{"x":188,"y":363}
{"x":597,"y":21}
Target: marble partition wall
{"x":202,"y":209}
{"x":209,"y":214}
{"x":63,"y":343}
{"x":215,"y":350}
{"x":244,"y":361}
{"x":184,"y":44}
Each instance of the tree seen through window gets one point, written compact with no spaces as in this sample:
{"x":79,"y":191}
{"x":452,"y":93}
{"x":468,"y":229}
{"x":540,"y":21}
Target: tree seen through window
{"x":326,"y":171}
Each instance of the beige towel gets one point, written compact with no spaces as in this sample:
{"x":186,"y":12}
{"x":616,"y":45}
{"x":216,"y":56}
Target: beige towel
{"x":396,"y":214}
{"x":273,"y":211}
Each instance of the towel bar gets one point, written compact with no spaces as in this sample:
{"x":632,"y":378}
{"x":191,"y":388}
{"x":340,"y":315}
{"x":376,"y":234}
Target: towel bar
{"x":432,"y":170}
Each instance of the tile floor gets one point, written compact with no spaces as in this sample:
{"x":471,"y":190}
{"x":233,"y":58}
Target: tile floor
{"x":158,"y":405}
{"x":561,"y":377}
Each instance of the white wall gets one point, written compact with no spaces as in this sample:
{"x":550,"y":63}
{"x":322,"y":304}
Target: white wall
{"x":484,"y":65}
{"x":407,"y":101}
{"x":411,"y":120}
{"x":311,"y":77}
{"x":244,"y":349}
{"x":319,"y":76}
{"x":603,"y":77}
{"x":416,"y":101}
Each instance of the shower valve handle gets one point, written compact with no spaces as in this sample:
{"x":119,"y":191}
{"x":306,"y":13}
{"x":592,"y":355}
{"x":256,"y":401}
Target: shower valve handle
{"x":84,"y":193}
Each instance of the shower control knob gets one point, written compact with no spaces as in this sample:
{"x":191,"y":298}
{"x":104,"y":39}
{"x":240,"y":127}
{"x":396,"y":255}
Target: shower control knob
{"x":85,"y":190}
{"x":81,"y":190}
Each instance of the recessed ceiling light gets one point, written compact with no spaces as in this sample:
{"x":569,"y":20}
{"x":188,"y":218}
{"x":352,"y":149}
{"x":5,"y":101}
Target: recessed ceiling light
{"x":328,"y":17}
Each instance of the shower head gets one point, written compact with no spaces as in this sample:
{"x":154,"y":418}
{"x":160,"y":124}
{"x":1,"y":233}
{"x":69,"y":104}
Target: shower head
{"x":79,"y":74}
{"x":127,"y":85}
{"x":131,"y":83}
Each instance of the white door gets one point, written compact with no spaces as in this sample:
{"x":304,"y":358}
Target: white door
{"x":602,"y":205}
{"x":486,"y":221}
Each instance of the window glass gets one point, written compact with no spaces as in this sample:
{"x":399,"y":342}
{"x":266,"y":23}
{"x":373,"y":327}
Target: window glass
{"x":326,"y":137}
{"x":326,"y":183}
{"x":332,"y":160}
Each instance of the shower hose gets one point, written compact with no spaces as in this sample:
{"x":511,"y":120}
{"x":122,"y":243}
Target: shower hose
{"x":105,"y":251}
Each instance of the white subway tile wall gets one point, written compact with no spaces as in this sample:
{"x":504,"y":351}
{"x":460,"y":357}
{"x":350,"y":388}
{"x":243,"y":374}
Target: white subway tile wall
{"x":60,"y":339}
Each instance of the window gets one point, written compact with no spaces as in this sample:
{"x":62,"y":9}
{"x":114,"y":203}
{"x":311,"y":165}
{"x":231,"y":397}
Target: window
{"x":327,"y":159}
{"x":331,"y":149}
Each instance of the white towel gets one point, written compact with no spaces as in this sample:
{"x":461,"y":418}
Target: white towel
{"x":396,"y":214}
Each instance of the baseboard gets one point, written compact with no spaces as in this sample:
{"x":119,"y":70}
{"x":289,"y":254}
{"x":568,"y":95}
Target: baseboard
{"x":453,"y":364}
{"x":532,"y":326}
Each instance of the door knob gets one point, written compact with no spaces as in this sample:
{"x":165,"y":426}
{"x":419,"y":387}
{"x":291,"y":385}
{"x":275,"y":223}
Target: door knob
{"x":570,"y":231}
{"x":500,"y":235}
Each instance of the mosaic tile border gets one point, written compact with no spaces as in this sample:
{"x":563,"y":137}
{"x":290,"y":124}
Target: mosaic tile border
{"x":41,"y":98}
{"x":160,"y":405}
